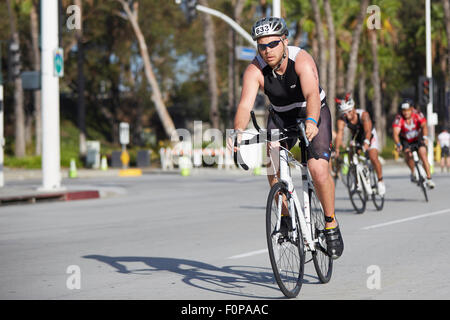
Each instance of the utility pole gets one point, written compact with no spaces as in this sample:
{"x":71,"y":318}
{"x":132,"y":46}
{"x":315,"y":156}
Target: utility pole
{"x":2,"y":140}
{"x":429,"y":73}
{"x":51,"y":175}
{"x":276,"y":8}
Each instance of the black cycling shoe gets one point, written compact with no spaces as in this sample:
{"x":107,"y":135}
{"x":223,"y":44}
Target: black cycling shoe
{"x":335,"y":244}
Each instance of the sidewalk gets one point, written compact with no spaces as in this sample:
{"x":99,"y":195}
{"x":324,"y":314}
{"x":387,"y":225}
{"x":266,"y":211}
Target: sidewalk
{"x":22,"y":185}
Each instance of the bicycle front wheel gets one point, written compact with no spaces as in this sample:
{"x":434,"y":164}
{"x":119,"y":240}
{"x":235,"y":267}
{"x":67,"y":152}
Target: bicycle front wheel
{"x":322,"y":261}
{"x":287,"y":256}
{"x":422,"y":182}
{"x":378,"y":200}
{"x":356,"y":191}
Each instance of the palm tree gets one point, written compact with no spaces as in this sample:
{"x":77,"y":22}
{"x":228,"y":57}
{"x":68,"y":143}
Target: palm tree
{"x":161,"y":109}
{"x":376,"y":84}
{"x":36,"y":58}
{"x":80,"y":85}
{"x":446,"y":5}
{"x":331,"y":94}
{"x":19,"y":146}
{"x":322,"y":46}
{"x":353,"y":59}
{"x":208,"y":33}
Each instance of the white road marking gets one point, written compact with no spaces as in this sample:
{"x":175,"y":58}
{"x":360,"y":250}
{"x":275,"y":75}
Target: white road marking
{"x":248,"y":254}
{"x":256,"y":252}
{"x":406,"y":219}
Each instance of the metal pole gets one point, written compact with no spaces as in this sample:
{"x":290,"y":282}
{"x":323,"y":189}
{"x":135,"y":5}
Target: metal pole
{"x":429,"y":73}
{"x":2,"y":140}
{"x":228,"y":20}
{"x":51,"y":175}
{"x":276,"y":8}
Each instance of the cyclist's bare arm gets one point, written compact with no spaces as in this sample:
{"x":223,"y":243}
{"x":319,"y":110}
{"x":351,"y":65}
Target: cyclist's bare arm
{"x":340,"y":124}
{"x":396,"y":137}
{"x":367,"y":125}
{"x":306,"y":69}
{"x":424,"y":129}
{"x":252,"y":80}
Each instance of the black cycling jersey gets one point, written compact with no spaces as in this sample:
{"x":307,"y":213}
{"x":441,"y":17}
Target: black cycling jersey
{"x":288,"y":103}
{"x":357,"y":129}
{"x":285,"y":91}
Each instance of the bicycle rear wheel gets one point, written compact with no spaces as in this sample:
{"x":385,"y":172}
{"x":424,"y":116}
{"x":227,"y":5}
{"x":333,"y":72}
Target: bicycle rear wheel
{"x":421,"y":181}
{"x":357,"y":193}
{"x":378,"y":200}
{"x":287,"y":256}
{"x":322,"y":261}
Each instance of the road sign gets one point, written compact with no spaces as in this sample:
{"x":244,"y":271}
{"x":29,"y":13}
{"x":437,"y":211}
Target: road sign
{"x":245,"y":53}
{"x":31,"y":80}
{"x":58,"y":63}
{"x":124,"y":132}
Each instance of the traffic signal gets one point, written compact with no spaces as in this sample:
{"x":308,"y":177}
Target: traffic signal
{"x":188,"y":6}
{"x":424,"y":90}
{"x":13,"y":61}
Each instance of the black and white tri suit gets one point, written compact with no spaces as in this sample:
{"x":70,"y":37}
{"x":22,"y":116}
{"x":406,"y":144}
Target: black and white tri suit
{"x":357,"y":131}
{"x":288,"y":103}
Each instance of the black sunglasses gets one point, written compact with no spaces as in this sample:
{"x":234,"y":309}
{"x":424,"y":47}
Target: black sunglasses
{"x":271,"y":45}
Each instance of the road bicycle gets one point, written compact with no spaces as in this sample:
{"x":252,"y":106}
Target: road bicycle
{"x":421,"y":175}
{"x":299,"y":228}
{"x":339,"y":168}
{"x":362,"y":180}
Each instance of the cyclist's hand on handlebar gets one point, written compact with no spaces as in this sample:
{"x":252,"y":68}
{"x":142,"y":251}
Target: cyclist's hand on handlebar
{"x":365,"y":146}
{"x":311,"y":130}
{"x":230,"y":141}
{"x":399,"y":148}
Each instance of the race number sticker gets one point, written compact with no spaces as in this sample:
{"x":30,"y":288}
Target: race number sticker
{"x":261,"y":29}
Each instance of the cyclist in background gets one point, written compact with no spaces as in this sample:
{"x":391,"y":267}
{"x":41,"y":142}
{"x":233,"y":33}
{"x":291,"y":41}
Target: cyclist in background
{"x":410,"y":128}
{"x":360,"y":125}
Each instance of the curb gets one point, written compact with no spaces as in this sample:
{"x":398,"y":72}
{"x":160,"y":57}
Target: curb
{"x":49,"y":196}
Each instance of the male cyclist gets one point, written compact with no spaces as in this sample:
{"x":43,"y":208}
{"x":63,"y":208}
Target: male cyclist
{"x":410,"y":129}
{"x":360,"y":125}
{"x":289,"y":78}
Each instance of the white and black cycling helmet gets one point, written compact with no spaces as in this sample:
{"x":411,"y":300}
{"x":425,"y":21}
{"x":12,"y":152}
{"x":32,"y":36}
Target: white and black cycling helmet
{"x":269,"y":26}
{"x":345,"y":105}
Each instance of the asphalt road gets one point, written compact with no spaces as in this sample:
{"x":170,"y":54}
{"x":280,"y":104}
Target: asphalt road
{"x":203,"y":237}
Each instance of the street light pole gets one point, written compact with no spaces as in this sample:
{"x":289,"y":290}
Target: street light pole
{"x":51,"y":175}
{"x":276,"y":8}
{"x":228,"y":20}
{"x":429,"y":74}
{"x":2,"y":140}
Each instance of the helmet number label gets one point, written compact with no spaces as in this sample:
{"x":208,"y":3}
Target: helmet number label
{"x":261,"y":29}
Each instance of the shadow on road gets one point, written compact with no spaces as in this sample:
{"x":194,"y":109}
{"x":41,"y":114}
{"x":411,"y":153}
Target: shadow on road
{"x":232,"y":280}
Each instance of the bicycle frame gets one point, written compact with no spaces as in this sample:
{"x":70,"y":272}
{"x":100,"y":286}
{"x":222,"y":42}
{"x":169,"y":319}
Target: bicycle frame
{"x":362,"y":178}
{"x":286,"y":158}
{"x":305,"y":216}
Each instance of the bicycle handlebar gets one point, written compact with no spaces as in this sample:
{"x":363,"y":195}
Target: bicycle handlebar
{"x":286,"y":132}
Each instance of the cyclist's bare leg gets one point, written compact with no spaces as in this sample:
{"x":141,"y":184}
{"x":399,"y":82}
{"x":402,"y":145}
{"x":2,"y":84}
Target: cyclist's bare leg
{"x":324,"y":184}
{"x":409,"y":160}
{"x":373,"y":156}
{"x":423,"y":156}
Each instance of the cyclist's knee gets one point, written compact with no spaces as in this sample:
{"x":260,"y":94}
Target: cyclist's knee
{"x":319,"y":170}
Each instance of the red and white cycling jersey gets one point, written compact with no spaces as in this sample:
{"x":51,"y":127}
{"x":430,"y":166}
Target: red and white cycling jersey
{"x":410,"y":132}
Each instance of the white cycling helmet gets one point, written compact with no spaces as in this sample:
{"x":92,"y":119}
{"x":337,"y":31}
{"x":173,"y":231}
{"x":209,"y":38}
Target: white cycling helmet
{"x":344,"y":106}
{"x":270,"y":26}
